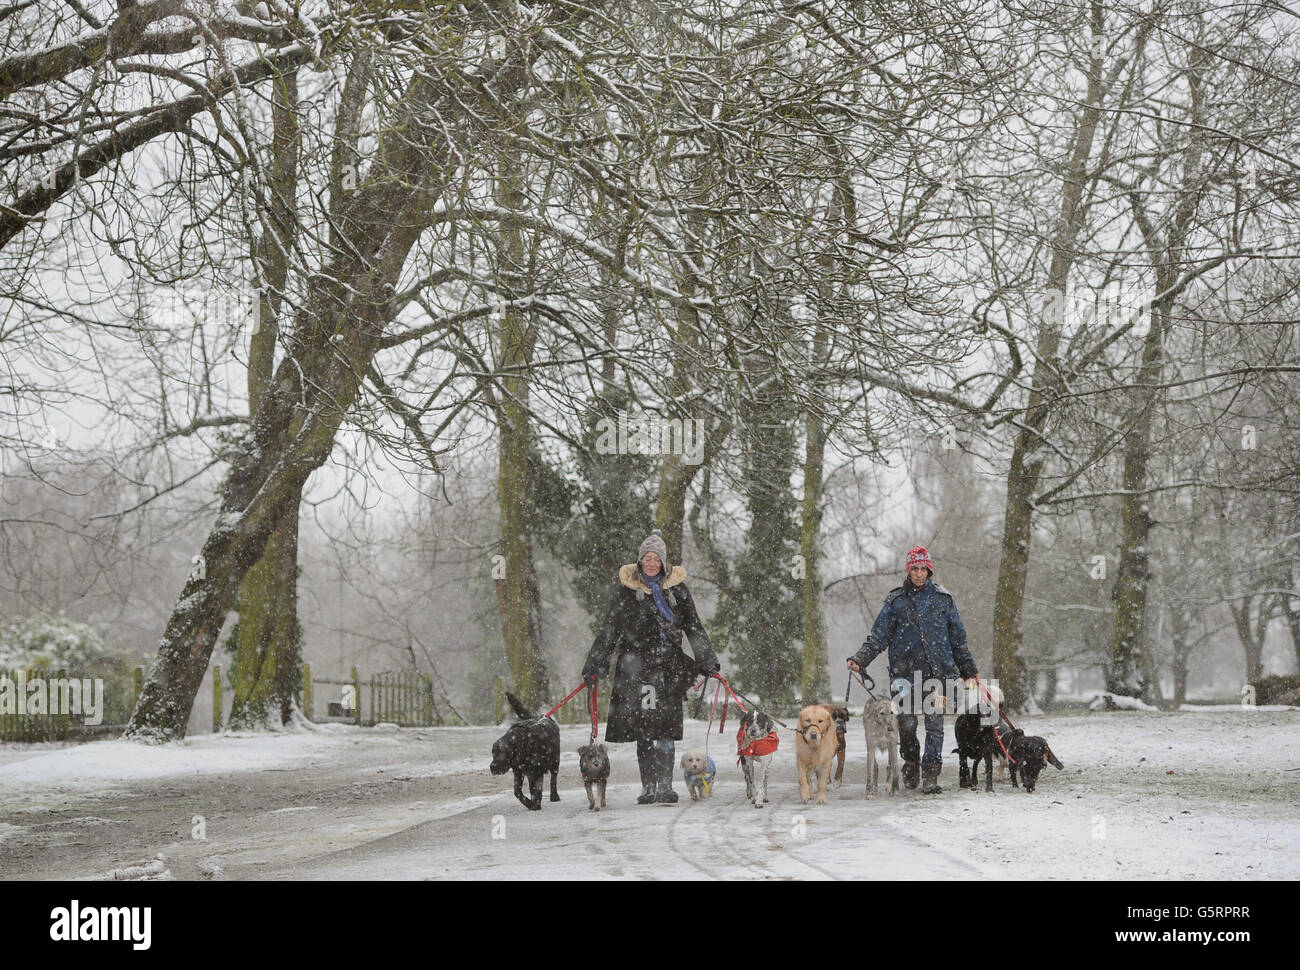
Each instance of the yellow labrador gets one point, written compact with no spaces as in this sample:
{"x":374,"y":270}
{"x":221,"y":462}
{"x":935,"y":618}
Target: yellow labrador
{"x":815,"y":748}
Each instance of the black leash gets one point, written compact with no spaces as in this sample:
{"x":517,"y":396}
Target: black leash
{"x":863,"y":682}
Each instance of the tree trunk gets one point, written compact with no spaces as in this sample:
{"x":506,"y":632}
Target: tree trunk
{"x":267,"y":647}
{"x":1133,"y":578}
{"x":814,"y":677}
{"x":814,"y":681}
{"x":1022,"y":478}
{"x":1168,"y":256}
{"x":676,"y":474}
{"x":336,"y":337}
{"x":1293,"y":622}
{"x":1178,"y":634}
{"x":1291,"y":608}
{"x":518,"y":599}
{"x":1252,"y":641}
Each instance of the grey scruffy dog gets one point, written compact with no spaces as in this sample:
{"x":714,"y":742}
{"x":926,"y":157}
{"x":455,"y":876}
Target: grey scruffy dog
{"x":880,"y":721}
{"x":593,"y":762}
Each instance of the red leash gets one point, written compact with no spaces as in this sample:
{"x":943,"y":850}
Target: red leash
{"x":724,"y":683}
{"x":993,"y":703}
{"x":1001,"y":716}
{"x":592,"y":704}
{"x":566,"y":700}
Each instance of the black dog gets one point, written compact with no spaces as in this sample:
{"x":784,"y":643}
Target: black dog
{"x":1028,"y":755}
{"x":530,"y":748}
{"x":979,"y":743}
{"x":593,"y":762}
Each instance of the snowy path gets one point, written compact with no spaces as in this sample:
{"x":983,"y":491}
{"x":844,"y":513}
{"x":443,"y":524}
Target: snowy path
{"x":721,"y":838}
{"x":1201,"y":795}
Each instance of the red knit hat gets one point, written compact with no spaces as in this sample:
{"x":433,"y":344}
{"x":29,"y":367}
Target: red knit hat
{"x":917,"y":556}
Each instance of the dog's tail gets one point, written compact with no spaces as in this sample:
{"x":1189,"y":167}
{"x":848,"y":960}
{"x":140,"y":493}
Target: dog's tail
{"x":1052,"y":758}
{"x":519,"y":708}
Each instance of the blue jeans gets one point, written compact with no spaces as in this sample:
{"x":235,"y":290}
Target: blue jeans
{"x":909,"y":748}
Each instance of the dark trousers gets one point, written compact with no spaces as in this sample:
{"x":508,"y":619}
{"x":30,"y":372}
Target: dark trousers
{"x":655,"y":760}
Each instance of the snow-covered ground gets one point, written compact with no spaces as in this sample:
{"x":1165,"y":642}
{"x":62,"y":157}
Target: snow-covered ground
{"x":1188,"y":795}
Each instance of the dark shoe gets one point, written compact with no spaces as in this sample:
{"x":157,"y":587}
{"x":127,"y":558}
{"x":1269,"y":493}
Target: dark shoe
{"x":665,"y":796}
{"x":930,"y":783}
{"x":911,"y":773}
{"x":646,"y":797}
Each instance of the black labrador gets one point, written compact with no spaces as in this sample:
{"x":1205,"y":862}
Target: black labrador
{"x":1028,"y":755}
{"x":530,"y":748}
{"x":979,"y":743}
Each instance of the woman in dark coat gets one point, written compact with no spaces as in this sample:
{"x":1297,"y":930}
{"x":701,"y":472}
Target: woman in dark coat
{"x":650,"y":611}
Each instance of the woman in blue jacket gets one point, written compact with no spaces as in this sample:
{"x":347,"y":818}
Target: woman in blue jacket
{"x":920,"y":627}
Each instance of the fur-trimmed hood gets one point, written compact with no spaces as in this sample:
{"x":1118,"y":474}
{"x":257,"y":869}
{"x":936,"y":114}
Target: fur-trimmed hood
{"x":627,"y":575}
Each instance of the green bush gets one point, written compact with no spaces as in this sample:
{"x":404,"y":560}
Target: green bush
{"x":50,"y":643}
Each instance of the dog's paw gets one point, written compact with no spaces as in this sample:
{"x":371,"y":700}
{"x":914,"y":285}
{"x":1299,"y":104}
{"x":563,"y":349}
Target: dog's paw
{"x":821,"y":800}
{"x":554,"y":798}
{"x":838,"y":782}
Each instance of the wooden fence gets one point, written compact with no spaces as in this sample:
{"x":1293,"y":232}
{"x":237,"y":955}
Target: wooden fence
{"x":402,"y":697}
{"x":46,"y":714}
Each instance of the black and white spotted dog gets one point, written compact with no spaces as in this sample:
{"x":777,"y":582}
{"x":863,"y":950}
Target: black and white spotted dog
{"x":755,"y":745}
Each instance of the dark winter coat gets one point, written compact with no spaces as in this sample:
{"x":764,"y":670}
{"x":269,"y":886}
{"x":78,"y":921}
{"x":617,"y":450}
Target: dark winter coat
{"x":922,"y":631}
{"x":651,"y":673}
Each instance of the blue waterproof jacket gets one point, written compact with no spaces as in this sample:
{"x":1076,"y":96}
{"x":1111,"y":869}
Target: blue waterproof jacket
{"x":922,"y":631}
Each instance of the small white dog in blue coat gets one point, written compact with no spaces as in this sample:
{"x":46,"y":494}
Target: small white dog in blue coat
{"x":698,"y":771}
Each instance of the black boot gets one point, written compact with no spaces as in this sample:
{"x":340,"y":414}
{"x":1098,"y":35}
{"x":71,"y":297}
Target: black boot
{"x":930,"y":781}
{"x":664,"y":758}
{"x":911,"y":773}
{"x":645,"y":762}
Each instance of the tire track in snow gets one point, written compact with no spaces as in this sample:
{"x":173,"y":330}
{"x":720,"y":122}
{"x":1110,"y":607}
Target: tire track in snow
{"x":729,"y":835}
{"x":718,"y":848}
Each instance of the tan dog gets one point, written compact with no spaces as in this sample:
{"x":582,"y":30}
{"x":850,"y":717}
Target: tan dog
{"x":814,"y":748}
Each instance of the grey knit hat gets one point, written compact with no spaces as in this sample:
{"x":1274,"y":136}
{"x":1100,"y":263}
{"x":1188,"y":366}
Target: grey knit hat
{"x":653,"y":543}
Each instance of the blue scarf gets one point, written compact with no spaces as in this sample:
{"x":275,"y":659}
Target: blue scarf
{"x":661,"y":601}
